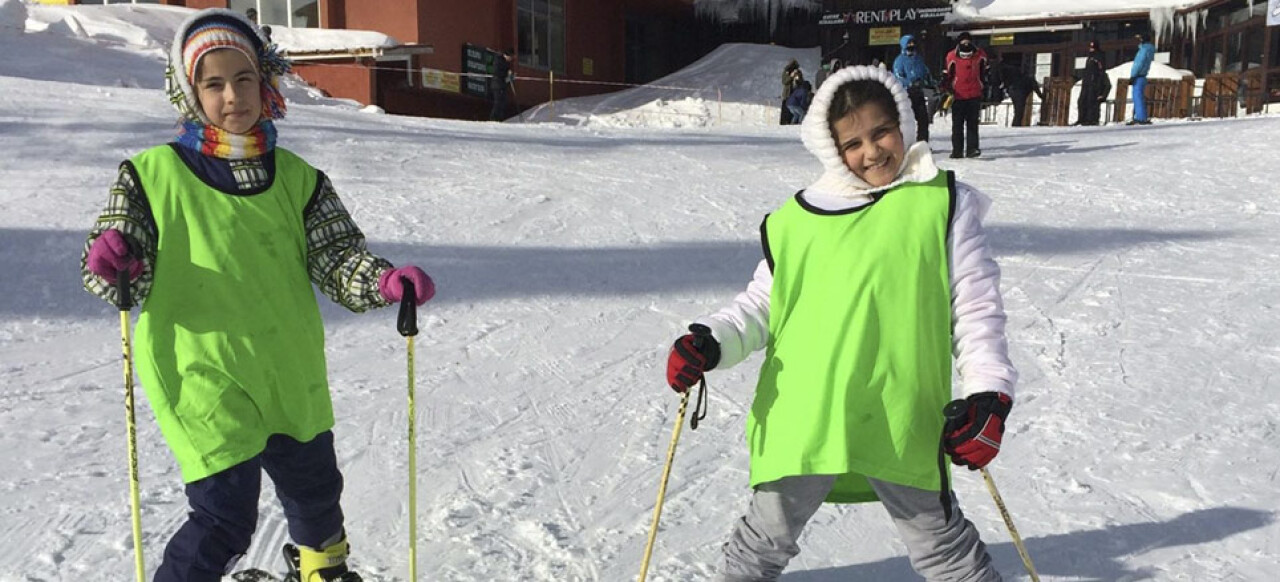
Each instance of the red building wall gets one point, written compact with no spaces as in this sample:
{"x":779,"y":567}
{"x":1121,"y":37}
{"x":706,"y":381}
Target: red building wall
{"x":352,"y":80}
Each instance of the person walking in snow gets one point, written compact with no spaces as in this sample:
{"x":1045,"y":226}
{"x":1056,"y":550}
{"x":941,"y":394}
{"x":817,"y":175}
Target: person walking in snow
{"x":1095,"y":86}
{"x":967,"y":70}
{"x":1138,"y":77}
{"x":221,"y":234}
{"x":857,"y":366}
{"x":913,"y":73}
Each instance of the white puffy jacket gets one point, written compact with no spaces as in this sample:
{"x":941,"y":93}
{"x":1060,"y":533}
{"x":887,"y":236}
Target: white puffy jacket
{"x":977,"y":311}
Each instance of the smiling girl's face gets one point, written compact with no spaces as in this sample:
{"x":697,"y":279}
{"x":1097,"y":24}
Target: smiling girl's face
{"x":870,"y":143}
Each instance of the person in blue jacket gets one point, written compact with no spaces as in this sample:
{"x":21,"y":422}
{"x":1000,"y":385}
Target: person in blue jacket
{"x":910,"y":69}
{"x":1138,"y":76}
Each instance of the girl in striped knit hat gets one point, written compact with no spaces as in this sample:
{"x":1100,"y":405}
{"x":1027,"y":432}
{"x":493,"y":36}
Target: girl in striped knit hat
{"x":222,"y":235}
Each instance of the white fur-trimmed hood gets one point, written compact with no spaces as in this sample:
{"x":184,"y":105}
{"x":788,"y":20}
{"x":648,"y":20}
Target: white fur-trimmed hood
{"x":837,"y":179}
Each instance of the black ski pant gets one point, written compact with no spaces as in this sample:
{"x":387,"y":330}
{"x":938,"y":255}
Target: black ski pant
{"x":499,"y":111}
{"x":964,"y":124}
{"x":224,"y":508}
{"x":1089,"y":108}
{"x":1019,"y":109}
{"x":921,"y":112}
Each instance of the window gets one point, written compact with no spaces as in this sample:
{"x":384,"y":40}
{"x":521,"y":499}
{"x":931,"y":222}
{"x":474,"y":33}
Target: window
{"x":1275,"y":48}
{"x":290,"y":13}
{"x":541,"y":33}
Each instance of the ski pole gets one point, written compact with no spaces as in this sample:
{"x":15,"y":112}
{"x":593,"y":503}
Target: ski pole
{"x":407,"y":325}
{"x":957,"y":410}
{"x":1008,"y":521}
{"x":125,"y":303}
{"x":700,"y":333}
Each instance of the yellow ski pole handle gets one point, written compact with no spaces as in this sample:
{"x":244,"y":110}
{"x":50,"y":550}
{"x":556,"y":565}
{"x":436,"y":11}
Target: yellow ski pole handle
{"x":662,"y":488}
{"x":124,"y":303}
{"x":1008,"y":521}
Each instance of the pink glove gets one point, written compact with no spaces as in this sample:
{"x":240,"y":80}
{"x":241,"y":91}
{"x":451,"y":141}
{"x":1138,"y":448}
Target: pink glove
{"x":109,"y":253}
{"x":391,"y":286}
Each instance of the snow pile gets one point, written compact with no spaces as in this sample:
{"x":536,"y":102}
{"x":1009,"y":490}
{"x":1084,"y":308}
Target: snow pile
{"x":302,"y":40}
{"x":13,"y":17}
{"x":734,"y":85}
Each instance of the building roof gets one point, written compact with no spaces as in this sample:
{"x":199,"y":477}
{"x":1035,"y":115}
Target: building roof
{"x":976,"y":11}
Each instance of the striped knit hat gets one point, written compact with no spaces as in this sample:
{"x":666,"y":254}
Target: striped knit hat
{"x":213,"y":29}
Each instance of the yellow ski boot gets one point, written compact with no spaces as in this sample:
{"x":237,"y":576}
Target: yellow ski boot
{"x":324,"y":565}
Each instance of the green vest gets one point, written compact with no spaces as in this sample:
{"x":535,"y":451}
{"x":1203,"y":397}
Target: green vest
{"x":230,"y":346}
{"x":858,"y":364}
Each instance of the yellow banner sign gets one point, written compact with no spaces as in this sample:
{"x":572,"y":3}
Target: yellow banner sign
{"x":442,"y":80}
{"x":883,"y":36}
{"x":1001,"y":39}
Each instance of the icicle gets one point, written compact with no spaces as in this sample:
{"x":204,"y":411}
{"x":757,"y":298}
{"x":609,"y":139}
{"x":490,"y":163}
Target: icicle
{"x":1162,"y":23}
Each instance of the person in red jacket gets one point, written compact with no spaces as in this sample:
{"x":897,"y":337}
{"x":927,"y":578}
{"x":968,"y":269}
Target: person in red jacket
{"x":967,"y":68}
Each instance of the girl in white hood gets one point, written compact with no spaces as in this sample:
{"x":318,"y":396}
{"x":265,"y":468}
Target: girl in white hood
{"x":874,"y":279}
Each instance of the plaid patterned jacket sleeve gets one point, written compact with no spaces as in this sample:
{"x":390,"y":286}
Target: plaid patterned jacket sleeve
{"x":337,"y":258}
{"x":127,"y":211}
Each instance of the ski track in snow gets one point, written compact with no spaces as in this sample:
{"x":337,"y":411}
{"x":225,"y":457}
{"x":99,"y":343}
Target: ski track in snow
{"x":1138,"y":274}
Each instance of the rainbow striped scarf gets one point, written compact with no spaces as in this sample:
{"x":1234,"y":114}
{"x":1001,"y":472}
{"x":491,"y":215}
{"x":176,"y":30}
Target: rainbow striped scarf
{"x":212,"y":140}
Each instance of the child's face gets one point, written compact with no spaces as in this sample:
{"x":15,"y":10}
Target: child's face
{"x":870,"y":144}
{"x":229,"y":90}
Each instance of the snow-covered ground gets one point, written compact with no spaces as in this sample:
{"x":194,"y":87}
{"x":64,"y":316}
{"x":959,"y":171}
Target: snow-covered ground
{"x":1140,"y":275}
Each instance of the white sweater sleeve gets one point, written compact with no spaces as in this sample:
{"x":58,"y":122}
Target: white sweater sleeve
{"x":977,"y":310}
{"x":742,"y":327}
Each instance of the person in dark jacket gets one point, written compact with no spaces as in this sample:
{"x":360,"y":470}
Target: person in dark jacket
{"x":789,"y":80}
{"x":1095,"y":86}
{"x":499,"y":83}
{"x":913,"y":73}
{"x":966,"y":69}
{"x":798,"y":100}
{"x":1019,"y":86}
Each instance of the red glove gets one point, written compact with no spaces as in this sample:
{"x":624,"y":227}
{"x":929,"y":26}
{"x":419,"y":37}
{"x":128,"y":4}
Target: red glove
{"x":688,"y":360}
{"x":973,"y":437}
{"x":110,"y":253}
{"x":391,"y":285}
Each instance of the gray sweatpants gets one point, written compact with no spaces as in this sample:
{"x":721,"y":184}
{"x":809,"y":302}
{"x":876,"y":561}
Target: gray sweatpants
{"x":764,"y":539}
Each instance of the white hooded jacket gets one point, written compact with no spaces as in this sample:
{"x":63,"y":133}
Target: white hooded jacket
{"x":977,"y":310}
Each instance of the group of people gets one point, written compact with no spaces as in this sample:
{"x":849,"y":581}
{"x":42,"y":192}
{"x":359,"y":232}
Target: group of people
{"x":970,"y":80}
{"x":222,"y":235}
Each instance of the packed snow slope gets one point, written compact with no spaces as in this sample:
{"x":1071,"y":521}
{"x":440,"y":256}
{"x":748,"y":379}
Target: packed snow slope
{"x":733,"y":85}
{"x":1139,"y":276}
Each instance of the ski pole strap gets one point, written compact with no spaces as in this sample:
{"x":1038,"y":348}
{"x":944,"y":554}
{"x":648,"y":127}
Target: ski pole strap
{"x":700,"y":335}
{"x":123,"y":301}
{"x":699,"y":407}
{"x":407,"y":322}
{"x":954,"y":412}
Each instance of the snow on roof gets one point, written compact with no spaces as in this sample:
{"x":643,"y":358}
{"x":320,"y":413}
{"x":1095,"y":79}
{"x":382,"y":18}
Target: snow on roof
{"x":996,"y":10}
{"x":152,"y":27}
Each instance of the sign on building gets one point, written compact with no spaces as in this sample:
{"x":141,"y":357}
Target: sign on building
{"x":887,"y":35}
{"x":442,"y":80}
{"x":477,"y":65}
{"x":883,"y":16}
